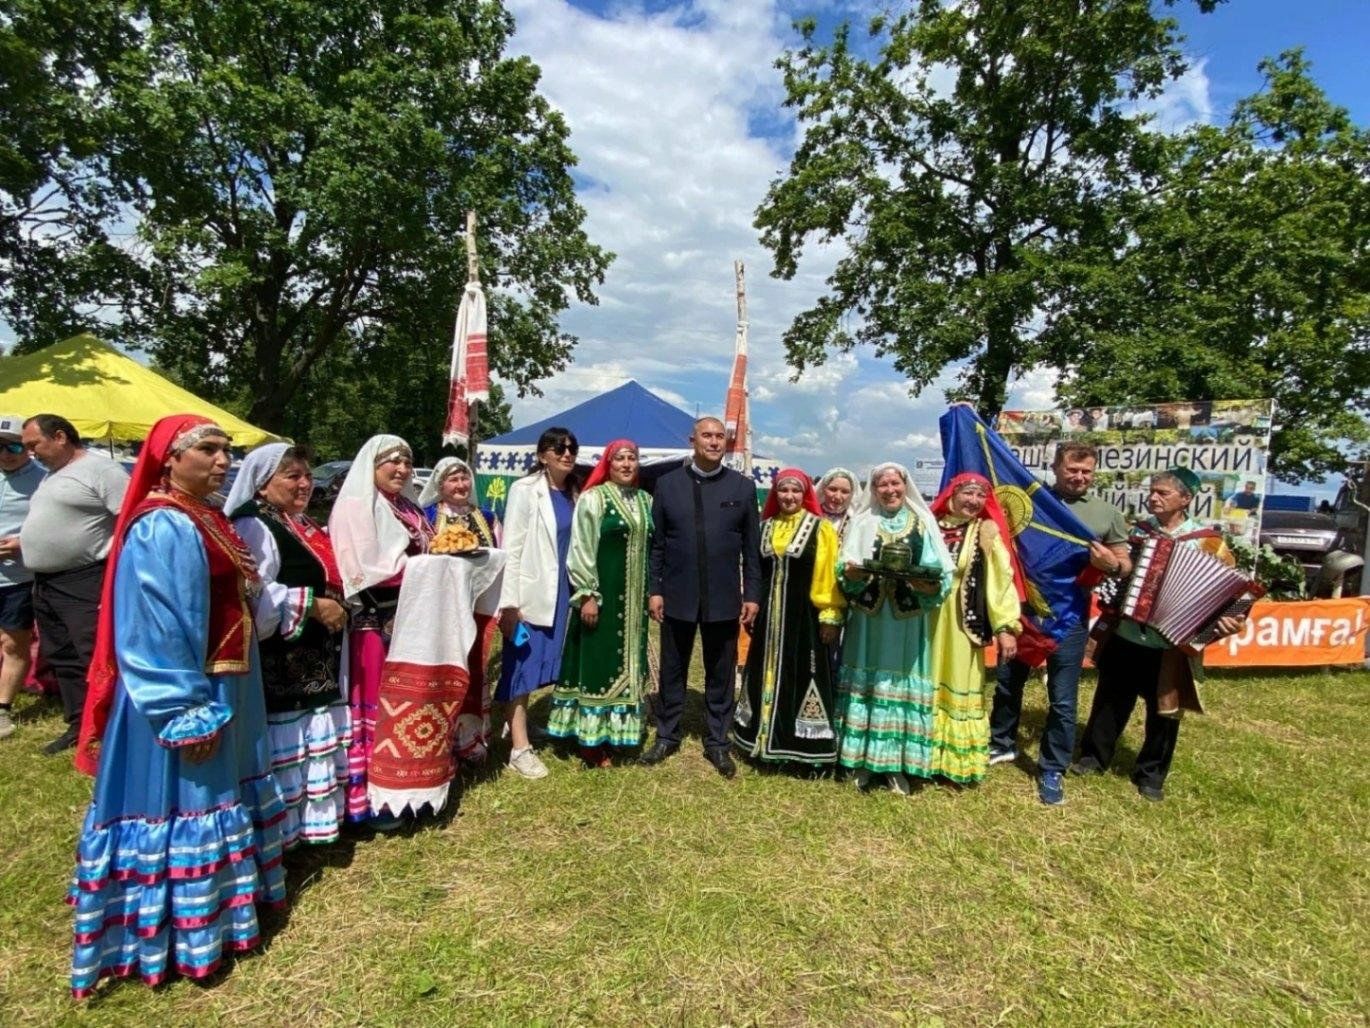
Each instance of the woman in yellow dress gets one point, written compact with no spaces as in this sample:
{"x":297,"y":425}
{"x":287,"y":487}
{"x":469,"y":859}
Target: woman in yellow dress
{"x":983,"y":606}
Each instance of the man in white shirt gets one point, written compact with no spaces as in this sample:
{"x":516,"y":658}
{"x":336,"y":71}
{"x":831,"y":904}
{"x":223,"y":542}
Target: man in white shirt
{"x":64,"y":542}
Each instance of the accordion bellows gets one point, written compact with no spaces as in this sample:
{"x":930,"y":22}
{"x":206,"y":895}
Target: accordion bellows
{"x":1180,"y":591}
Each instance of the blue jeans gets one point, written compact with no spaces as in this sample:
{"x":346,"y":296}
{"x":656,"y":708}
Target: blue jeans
{"x":1063,"y":689}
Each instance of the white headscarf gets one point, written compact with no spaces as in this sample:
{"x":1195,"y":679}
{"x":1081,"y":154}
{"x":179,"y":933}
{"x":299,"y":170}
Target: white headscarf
{"x":854,"y":503}
{"x":368,"y":540}
{"x":255,"y":471}
{"x":432,"y":489}
{"x":857,"y":544}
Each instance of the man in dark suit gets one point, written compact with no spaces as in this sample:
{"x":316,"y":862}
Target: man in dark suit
{"x":706,"y":542}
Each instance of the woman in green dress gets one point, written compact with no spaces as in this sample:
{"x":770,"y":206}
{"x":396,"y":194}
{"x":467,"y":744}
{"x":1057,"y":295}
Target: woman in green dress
{"x":885,"y":688}
{"x":598,"y":700}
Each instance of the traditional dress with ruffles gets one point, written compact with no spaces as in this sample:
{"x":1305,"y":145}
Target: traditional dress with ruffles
{"x":604,"y":674}
{"x":982,"y":602}
{"x":368,"y":642}
{"x":885,"y":691}
{"x":174,"y":856}
{"x":302,"y":669}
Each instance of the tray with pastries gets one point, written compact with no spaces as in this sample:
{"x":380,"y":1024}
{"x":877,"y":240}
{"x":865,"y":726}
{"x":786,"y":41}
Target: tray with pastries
{"x":456,"y":541}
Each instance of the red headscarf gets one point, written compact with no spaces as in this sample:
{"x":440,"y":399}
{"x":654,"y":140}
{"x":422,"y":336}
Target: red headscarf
{"x":942,"y":506}
{"x":147,"y":475}
{"x":601,"y":473}
{"x":810,"y":502}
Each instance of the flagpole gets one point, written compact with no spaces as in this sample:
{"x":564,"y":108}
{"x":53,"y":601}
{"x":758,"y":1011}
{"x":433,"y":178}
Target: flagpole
{"x":739,"y":272}
{"x":472,"y":278}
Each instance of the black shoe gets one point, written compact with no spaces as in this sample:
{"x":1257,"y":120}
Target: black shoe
{"x":658,"y":752}
{"x":64,"y":742}
{"x":1154,"y":793}
{"x":722,"y":762}
{"x":1086,"y":766}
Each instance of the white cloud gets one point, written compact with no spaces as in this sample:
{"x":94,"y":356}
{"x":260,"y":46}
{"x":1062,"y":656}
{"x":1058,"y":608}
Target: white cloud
{"x":1034,"y":389}
{"x":662,"y":107}
{"x":1184,"y":102}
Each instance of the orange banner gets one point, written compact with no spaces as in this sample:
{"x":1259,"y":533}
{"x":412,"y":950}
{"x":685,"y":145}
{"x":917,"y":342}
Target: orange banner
{"x":1301,"y":633}
{"x":1304,"y":633}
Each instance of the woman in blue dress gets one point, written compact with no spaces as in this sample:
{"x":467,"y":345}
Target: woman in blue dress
{"x":183,"y":836}
{"x":536,"y":594}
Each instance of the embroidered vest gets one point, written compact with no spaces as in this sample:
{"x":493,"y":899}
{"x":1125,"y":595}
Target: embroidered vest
{"x":231,"y":574}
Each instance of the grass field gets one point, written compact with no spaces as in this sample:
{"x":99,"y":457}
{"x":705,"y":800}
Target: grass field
{"x":668,"y":895}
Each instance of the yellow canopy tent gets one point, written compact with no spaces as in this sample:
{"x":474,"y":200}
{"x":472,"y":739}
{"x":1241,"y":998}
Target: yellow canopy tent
{"x":106,"y":395}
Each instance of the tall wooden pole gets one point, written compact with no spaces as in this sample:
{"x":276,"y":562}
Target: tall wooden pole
{"x":472,"y":277}
{"x":740,"y":273}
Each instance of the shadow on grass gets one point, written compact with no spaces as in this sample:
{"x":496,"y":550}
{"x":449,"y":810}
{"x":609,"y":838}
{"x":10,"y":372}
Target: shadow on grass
{"x":39,"y":707}
{"x":1267,"y":674}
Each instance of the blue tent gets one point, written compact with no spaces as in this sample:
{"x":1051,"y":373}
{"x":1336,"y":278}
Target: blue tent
{"x":660,"y":429}
{"x":627,"y":412}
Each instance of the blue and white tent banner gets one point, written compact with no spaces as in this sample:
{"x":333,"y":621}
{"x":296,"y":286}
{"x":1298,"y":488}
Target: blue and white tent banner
{"x":628,"y":411}
{"x":497,"y":466}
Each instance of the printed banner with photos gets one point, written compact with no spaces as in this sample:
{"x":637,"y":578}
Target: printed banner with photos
{"x":1224,"y":442}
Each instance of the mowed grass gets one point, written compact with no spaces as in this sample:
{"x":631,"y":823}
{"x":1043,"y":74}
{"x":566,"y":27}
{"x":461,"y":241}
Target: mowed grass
{"x":668,"y":895}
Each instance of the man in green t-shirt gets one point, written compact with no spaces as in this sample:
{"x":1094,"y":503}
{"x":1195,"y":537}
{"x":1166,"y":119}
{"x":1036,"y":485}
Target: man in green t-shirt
{"x":1073,"y":473}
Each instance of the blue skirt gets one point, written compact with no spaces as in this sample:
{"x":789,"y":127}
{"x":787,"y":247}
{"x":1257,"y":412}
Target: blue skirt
{"x":537,"y":661}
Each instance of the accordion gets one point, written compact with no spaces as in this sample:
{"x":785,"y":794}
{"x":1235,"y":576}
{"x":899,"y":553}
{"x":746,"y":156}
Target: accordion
{"x":1181,"y":592}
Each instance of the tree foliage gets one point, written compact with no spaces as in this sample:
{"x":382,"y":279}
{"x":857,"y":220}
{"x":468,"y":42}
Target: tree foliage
{"x":1247,"y":275}
{"x":56,"y":196}
{"x":384,"y":385}
{"x":952,"y":164}
{"x":297,"y":173}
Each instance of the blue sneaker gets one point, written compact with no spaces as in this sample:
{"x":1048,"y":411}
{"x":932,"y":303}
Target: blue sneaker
{"x":1051,"y":788}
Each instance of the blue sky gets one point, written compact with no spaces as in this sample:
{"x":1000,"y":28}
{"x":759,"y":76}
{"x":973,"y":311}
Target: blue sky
{"x":674,"y":110}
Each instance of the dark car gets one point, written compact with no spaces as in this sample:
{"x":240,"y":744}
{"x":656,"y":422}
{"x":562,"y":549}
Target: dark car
{"x":328,"y":479}
{"x":1318,"y":542}
{"x":128,"y":463}
{"x":330,"y":475}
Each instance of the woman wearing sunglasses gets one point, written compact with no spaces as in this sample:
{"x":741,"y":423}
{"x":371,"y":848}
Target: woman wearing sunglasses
{"x":536,"y":593}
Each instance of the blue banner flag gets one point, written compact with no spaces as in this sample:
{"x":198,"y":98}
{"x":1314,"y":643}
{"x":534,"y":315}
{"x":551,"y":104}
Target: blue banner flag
{"x":1052,"y":543}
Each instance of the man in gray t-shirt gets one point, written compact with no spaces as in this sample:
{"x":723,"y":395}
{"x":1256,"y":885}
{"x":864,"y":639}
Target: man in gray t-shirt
{"x":64,"y":541}
{"x":1073,"y":471}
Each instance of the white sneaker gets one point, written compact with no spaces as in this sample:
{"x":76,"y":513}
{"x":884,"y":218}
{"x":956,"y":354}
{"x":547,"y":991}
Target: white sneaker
{"x":1002,"y":756}
{"x":6,"y":724}
{"x":526,"y":763}
{"x":899,"y":784}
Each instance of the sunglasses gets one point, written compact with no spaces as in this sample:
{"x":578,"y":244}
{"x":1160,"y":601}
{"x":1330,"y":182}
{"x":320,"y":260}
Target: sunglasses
{"x":562,"y":448}
{"x":14,"y":448}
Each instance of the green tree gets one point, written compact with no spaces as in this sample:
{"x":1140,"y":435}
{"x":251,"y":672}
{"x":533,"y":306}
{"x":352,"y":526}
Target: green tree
{"x":951,"y":165}
{"x":57,"y":263}
{"x":1247,"y":276}
{"x":384,"y":384}
{"x":299,"y":172}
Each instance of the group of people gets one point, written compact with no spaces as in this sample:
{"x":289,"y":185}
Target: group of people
{"x":238,"y":676}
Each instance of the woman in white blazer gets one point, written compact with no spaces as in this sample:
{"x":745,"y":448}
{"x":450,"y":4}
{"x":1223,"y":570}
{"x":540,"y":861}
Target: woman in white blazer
{"x":536,"y":595}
